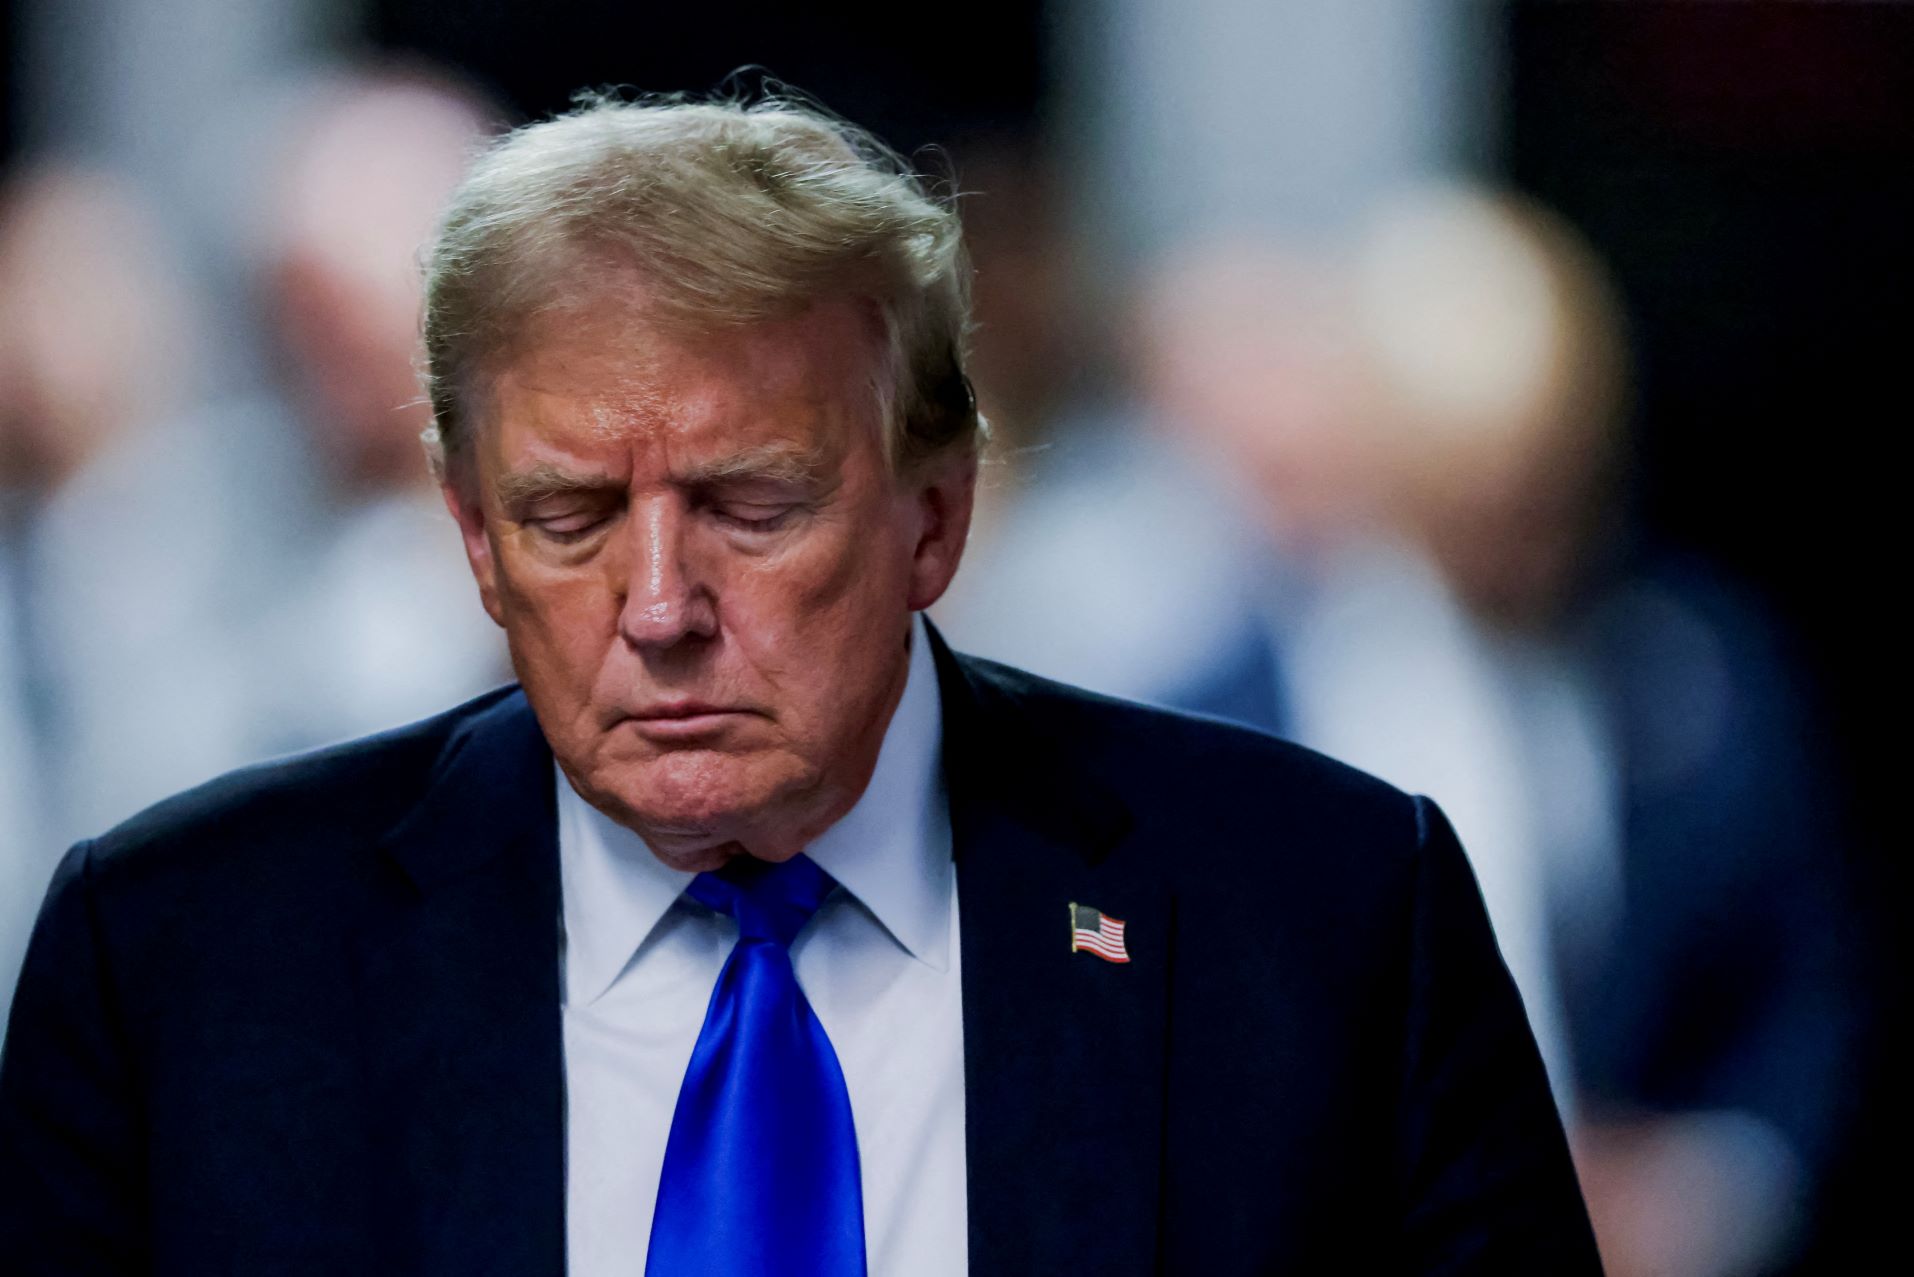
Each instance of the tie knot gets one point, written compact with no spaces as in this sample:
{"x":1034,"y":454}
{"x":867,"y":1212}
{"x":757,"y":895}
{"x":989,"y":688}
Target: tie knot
{"x":769,"y":901}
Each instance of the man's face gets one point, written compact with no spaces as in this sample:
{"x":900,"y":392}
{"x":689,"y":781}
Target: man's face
{"x":704,"y":566}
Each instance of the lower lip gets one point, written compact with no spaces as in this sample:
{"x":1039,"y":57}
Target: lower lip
{"x":687,"y":727}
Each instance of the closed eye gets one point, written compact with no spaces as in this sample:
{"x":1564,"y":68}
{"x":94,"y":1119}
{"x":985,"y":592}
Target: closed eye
{"x":567,"y":529}
{"x":754,"y":518}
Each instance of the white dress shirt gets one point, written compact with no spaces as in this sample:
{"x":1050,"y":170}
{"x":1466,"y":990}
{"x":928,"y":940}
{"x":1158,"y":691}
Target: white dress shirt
{"x":879,"y":964}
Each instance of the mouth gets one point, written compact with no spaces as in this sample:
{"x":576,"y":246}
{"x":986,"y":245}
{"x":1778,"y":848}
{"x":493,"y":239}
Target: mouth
{"x":684,"y":720}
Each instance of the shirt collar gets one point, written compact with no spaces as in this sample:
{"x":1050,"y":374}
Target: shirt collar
{"x":891,"y":851}
{"x":615,"y":894}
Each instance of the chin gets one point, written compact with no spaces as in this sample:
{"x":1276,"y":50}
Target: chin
{"x":699,"y":793}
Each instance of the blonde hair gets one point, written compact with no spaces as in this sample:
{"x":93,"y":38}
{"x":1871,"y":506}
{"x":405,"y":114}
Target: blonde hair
{"x":731,"y":214}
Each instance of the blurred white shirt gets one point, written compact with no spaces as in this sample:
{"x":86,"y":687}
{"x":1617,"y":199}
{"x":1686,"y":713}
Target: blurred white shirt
{"x":382,"y":625}
{"x":203,"y":602}
{"x":1387,"y":672}
{"x":879,"y":964}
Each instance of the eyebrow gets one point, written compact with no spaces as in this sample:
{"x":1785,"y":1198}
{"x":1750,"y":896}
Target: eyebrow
{"x":769,"y":463}
{"x":543,"y":481}
{"x":780,"y":463}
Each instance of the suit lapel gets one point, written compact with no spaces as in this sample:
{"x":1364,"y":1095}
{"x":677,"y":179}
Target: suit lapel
{"x":1064,"y":1052}
{"x":460,"y":984}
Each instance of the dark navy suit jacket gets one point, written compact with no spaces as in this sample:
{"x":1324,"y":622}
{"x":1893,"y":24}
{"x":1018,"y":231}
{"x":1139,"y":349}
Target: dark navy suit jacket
{"x":306,"y":1019}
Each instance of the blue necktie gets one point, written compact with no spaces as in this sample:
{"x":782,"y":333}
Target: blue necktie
{"x":760,"y":1176}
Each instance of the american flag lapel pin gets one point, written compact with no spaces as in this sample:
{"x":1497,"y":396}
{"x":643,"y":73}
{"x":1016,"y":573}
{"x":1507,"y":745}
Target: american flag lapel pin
{"x":1093,"y":931}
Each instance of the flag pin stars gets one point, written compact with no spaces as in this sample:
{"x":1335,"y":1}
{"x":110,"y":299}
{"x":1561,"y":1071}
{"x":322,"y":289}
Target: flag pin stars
{"x":1093,"y":931}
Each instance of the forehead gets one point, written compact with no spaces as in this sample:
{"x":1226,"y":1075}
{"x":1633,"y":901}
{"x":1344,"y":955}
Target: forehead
{"x":606,"y":371}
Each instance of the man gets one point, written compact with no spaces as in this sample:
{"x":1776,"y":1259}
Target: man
{"x":734,"y":939}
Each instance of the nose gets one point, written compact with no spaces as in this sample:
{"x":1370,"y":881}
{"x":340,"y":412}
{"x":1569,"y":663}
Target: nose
{"x":664,"y":601}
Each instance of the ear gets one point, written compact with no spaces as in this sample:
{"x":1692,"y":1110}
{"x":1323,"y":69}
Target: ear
{"x":469,"y":513}
{"x":944,"y":495}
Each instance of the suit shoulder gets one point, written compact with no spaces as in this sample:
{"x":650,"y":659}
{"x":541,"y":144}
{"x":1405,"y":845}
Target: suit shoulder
{"x":1143,"y":749}
{"x":356,"y":788}
{"x":1222,"y":816}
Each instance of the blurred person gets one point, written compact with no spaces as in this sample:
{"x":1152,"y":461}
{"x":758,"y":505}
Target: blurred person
{"x":456,"y":998}
{"x":367,"y":625}
{"x":1706,"y":949}
{"x":24,"y":857}
{"x":24,"y":854}
{"x":225,"y":579}
{"x":91,"y":341}
{"x":256,"y":574}
{"x":94,"y":353}
{"x":1436,"y":435}
{"x":1082,"y":507}
{"x":1253,"y":353}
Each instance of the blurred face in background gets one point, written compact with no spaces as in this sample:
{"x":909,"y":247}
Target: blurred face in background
{"x":359,"y":189}
{"x":95,"y":331}
{"x":1247,"y":355}
{"x":1497,"y":352}
{"x":704,"y":564}
{"x":1453,"y":379}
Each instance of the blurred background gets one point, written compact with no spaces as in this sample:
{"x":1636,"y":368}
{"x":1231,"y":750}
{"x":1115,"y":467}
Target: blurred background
{"x":1490,"y":394}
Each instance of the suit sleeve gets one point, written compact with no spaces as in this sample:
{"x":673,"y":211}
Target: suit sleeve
{"x":1484,"y":1166}
{"x":70,"y":1194}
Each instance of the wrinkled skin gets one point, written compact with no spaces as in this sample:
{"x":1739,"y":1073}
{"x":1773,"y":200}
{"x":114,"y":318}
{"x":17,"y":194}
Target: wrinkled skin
{"x":704,"y":564}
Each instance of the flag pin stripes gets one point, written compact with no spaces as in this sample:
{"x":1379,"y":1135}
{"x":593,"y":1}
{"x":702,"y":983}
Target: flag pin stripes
{"x":1093,"y":931}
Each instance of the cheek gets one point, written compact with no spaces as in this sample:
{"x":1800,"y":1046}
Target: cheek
{"x":799,"y":609}
{"x":820,"y":627}
{"x":557,"y":622}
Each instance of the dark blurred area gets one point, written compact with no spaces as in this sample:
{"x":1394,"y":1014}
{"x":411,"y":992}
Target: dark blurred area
{"x":1748,"y":172}
{"x":1484,"y":393}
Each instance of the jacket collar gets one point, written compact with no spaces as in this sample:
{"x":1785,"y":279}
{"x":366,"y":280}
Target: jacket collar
{"x":457,"y":977}
{"x":1064,"y":1053}
{"x":490,"y":789}
{"x":1000,"y":757}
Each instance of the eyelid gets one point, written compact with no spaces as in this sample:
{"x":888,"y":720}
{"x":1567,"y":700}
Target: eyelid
{"x":577,"y":503}
{"x":551,"y":525}
{"x":759,"y":490}
{"x":777,"y":515}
